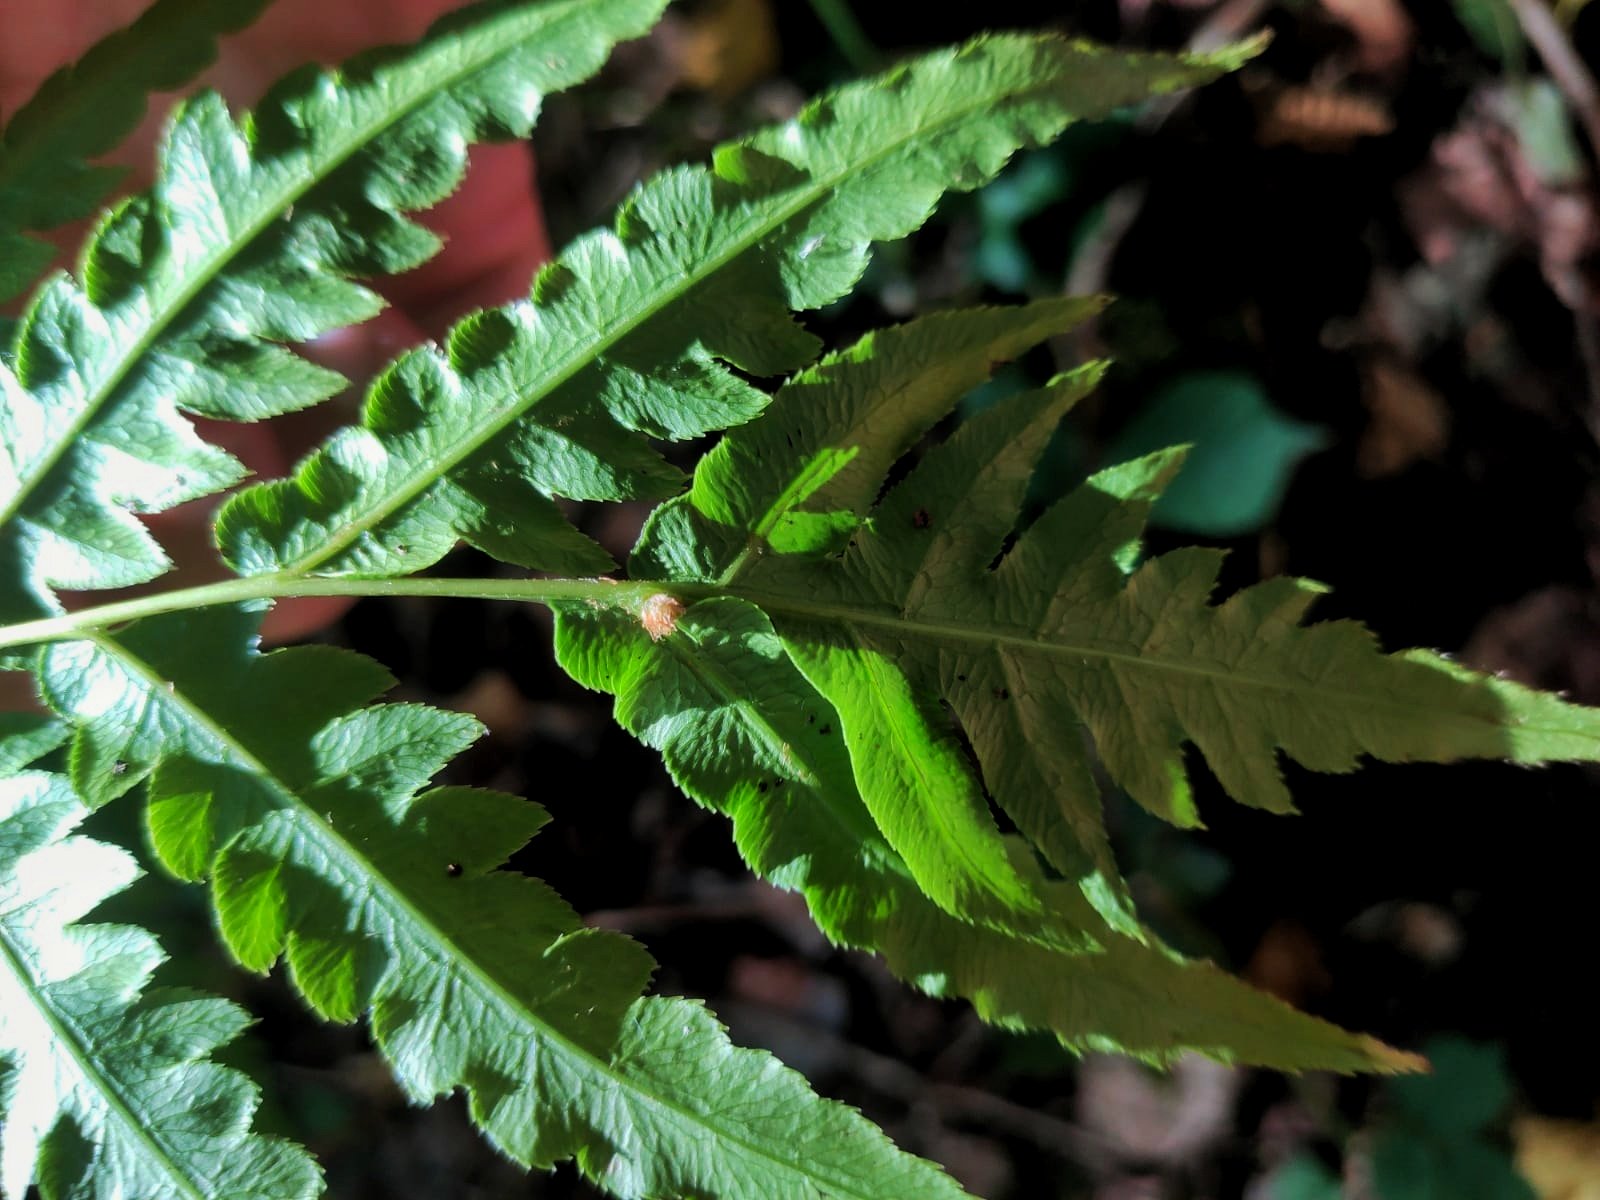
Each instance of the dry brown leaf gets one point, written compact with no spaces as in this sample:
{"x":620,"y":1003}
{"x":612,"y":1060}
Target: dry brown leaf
{"x":1142,"y":1116}
{"x":729,"y":45}
{"x":1561,"y":1159}
{"x":1479,"y":177}
{"x":1409,"y":420}
{"x":1288,"y":963}
{"x":494,"y":699}
{"x":1320,"y":118}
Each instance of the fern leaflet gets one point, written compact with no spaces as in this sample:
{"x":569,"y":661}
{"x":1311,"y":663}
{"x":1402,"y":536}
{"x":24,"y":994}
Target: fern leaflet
{"x":109,"y":1092}
{"x":632,"y":332}
{"x":888,"y":607}
{"x":307,"y":814}
{"x":744,"y":733}
{"x":250,"y":237}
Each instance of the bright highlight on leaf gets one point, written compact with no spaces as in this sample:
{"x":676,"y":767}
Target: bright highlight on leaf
{"x":109,"y":1092}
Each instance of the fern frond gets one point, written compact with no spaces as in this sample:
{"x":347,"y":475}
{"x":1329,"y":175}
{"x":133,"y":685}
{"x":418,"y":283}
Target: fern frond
{"x":252,"y":235}
{"x":108,"y":1091}
{"x":916,"y":373}
{"x":782,"y":486}
{"x":84,"y":110}
{"x":856,"y":676}
{"x":633,"y":332}
{"x":891,"y":608}
{"x":746,"y":735}
{"x":1136,"y":651}
{"x":309,"y":816}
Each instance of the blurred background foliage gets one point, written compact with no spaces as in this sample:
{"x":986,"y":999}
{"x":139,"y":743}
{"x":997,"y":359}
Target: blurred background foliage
{"x":1359,"y":278}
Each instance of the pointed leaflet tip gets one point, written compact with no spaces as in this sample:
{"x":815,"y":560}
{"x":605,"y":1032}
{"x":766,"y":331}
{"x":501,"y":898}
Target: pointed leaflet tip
{"x":1389,"y":1061}
{"x":1234,"y":55}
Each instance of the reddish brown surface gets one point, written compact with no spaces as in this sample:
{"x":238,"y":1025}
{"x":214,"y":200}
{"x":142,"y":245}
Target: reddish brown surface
{"x":493,"y":228}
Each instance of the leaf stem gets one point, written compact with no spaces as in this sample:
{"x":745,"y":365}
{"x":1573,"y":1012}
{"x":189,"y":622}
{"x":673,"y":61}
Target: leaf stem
{"x":607,"y":593}
{"x":630,"y":595}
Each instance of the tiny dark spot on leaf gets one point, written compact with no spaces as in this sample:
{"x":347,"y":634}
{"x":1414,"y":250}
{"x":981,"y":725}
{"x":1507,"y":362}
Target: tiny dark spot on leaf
{"x":825,"y":730}
{"x":961,"y":678}
{"x":1001,"y":693}
{"x":453,"y":870}
{"x":920,"y":519}
{"x":762,"y":786}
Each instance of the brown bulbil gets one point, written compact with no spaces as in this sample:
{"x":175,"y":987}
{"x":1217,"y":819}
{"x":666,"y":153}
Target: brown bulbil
{"x":659,"y":615}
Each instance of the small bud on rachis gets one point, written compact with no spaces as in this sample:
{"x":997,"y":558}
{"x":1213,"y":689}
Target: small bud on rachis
{"x":659,"y":615}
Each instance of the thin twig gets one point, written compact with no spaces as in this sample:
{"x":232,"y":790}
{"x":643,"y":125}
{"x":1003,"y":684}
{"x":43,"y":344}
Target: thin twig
{"x":1091,"y":265}
{"x":1588,"y":337}
{"x":1574,"y":79}
{"x":1582,"y":94}
{"x":847,"y":35}
{"x":965,"y":1103}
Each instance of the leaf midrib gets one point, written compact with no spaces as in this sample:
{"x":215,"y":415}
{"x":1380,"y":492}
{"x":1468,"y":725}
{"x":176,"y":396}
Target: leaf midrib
{"x":269,"y":213}
{"x":67,"y":1033}
{"x":611,"y":593}
{"x":462,"y":960}
{"x":485,"y":432}
{"x":851,"y":617}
